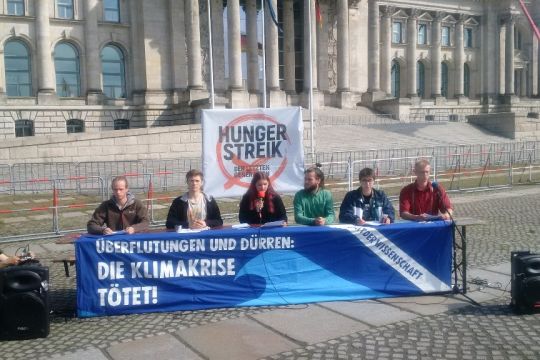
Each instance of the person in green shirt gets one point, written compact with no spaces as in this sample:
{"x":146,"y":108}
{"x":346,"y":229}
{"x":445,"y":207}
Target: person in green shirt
{"x":314,"y":204}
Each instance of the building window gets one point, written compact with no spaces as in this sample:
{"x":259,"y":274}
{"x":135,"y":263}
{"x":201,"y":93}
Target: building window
{"x":74,"y":126}
{"x":113,"y":72}
{"x":24,"y":128}
{"x":445,"y":36}
{"x":397,"y":32}
{"x":468,"y":37}
{"x":395,"y":75}
{"x":15,"y":7}
{"x":121,"y":124}
{"x":422,"y":34}
{"x":64,"y":9}
{"x":466,"y":80}
{"x":444,"y":80}
{"x":420,"y":79}
{"x":517,"y":39}
{"x":66,"y":64}
{"x":111,"y":9}
{"x":17,"y":67}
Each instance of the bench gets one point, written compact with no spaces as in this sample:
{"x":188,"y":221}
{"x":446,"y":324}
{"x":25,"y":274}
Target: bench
{"x":68,"y":260}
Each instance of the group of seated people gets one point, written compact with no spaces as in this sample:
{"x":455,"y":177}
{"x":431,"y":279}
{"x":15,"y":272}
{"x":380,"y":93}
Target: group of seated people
{"x":313,"y":205}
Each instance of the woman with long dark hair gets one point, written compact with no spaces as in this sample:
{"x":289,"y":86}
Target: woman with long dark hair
{"x":261,"y":204}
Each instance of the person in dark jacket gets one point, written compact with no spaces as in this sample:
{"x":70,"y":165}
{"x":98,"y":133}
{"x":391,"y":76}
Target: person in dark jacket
{"x":194,"y":209}
{"x":121,"y":212}
{"x":366,"y":203}
{"x":261,"y":204}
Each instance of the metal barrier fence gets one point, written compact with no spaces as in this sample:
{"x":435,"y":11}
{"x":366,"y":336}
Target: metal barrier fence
{"x":460,"y":167}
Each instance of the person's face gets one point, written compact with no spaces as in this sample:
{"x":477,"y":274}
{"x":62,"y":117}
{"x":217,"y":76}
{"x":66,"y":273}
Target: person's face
{"x":311,"y":182}
{"x":195,"y":183}
{"x":422,"y":173}
{"x":261,"y":185}
{"x":120,"y":190}
{"x":367,"y":185}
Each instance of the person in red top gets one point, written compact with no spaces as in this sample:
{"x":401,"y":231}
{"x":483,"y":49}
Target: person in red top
{"x":422,"y":199}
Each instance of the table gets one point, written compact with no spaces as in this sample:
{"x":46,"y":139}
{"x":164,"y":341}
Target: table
{"x":168,"y":271}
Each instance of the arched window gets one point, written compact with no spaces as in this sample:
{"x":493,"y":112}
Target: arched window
{"x":66,"y":64}
{"x":113,"y":72}
{"x":24,"y":128}
{"x":395,"y":73}
{"x":444,"y":80}
{"x":466,"y":80}
{"x":17,"y":65}
{"x":420,"y":79}
{"x":74,"y":126}
{"x":121,"y":124}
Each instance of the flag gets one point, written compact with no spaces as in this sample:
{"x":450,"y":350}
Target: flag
{"x":273,"y":14}
{"x":318,"y":14}
{"x":531,"y":21}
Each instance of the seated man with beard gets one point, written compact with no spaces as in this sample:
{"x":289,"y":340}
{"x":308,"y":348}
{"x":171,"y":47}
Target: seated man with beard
{"x":314,"y":204}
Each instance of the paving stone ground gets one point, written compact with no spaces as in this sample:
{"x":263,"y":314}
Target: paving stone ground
{"x":435,"y":327}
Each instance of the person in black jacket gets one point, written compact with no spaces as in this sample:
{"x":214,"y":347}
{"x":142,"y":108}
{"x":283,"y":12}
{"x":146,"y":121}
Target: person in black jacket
{"x":261,"y":204}
{"x":366,"y":203}
{"x":194,"y":209}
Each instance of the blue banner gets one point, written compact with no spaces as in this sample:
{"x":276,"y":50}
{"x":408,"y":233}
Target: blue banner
{"x":168,"y":271}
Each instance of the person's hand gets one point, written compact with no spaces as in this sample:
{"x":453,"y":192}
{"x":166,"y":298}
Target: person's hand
{"x":446,"y":216}
{"x":422,"y":217}
{"x":385,"y":220}
{"x":198,"y":224}
{"x":360,"y":221}
{"x":320,"y":221}
{"x":8,"y":260}
{"x":130,"y":230}
{"x":107,"y":231}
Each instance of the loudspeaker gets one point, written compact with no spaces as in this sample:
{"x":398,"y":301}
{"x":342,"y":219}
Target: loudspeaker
{"x":525,"y":270}
{"x":24,"y":302}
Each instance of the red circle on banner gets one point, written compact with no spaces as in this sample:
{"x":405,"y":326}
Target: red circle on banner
{"x":233,"y":180}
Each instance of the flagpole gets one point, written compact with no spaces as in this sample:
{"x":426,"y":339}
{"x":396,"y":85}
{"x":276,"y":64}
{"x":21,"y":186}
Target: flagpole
{"x":212,"y":100}
{"x":263,"y":53}
{"x":311,"y":112}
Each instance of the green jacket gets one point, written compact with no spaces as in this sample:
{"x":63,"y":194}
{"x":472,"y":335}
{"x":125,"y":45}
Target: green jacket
{"x":308,"y":206}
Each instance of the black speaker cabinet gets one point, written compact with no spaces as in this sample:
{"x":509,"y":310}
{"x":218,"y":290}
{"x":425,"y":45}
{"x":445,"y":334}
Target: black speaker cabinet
{"x":24,"y":302}
{"x":525,"y":269}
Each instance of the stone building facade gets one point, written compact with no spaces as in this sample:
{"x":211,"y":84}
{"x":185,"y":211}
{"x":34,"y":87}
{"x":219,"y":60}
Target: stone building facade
{"x":95,"y":65}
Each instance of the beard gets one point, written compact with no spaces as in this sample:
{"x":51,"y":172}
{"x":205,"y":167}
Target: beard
{"x":311,"y":188}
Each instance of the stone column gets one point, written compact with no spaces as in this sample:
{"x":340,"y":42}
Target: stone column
{"x":252,"y":47}
{"x":373,"y":46}
{"x":436,"y":56}
{"x":411,"y":54}
{"x":373,"y":92}
{"x":46,"y":81}
{"x":509,"y":55}
{"x":460,"y":58}
{"x":533,"y":73}
{"x":93,"y":62}
{"x":275,"y":95}
{"x":523,"y":82}
{"x":193,"y":42}
{"x":235,"y":51}
{"x":218,"y":48}
{"x":490,"y":55}
{"x":343,"y":65}
{"x":386,"y":53}
{"x":288,"y":46}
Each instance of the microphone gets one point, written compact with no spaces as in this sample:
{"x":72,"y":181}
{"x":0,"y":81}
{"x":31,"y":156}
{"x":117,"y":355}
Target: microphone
{"x":260,"y":197}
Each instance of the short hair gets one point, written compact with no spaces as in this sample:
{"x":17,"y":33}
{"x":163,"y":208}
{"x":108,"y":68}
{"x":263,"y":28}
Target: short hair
{"x":366,"y":172}
{"x":194,"y":172}
{"x":119,"y":178}
{"x":318,"y":174}
{"x":421,"y":163}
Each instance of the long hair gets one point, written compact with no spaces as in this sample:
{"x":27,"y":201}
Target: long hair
{"x":252,"y":192}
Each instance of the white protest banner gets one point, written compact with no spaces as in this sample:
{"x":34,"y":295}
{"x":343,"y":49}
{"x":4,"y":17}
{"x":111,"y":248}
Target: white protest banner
{"x":239,"y":142}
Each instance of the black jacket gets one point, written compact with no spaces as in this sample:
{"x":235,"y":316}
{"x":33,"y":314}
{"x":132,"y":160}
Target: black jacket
{"x":251,"y":216}
{"x":179,"y":209}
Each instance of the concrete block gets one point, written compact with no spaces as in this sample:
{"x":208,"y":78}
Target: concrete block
{"x":125,"y":140}
{"x":237,"y":339}
{"x":156,"y":347}
{"x":371,"y":312}
{"x":51,"y":152}
{"x":306,"y":324}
